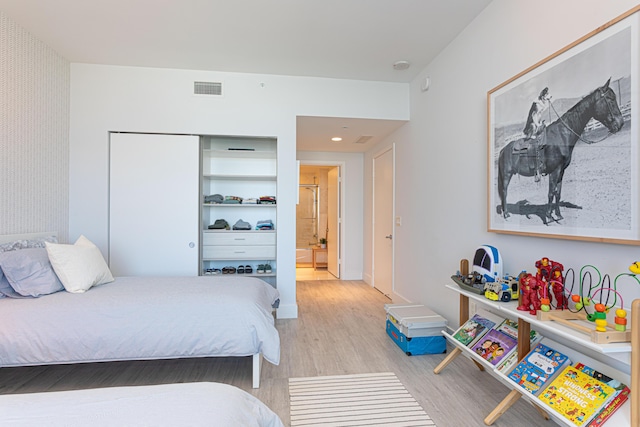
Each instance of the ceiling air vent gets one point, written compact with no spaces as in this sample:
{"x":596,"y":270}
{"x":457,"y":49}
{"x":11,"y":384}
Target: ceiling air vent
{"x":363,"y":139}
{"x":207,"y":88}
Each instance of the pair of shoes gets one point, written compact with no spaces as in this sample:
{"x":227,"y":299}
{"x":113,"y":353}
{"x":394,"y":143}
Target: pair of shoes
{"x":264,"y":269}
{"x":229,"y":270}
{"x":210,"y":271}
{"x":245,"y":269}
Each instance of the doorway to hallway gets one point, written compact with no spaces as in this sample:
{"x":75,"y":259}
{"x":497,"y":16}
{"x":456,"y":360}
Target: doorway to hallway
{"x":318,"y":223}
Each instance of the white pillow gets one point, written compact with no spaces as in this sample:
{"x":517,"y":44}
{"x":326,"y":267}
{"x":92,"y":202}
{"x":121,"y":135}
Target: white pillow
{"x":78,"y":266}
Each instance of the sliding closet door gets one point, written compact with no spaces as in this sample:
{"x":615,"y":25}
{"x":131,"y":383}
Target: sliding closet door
{"x":154,"y":205}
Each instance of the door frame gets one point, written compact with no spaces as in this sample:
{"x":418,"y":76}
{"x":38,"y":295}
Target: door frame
{"x":375,"y":155}
{"x":341,"y":165}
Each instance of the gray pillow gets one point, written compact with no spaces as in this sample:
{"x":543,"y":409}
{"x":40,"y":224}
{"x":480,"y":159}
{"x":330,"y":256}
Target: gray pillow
{"x":27,"y":243}
{"x":29,"y":272}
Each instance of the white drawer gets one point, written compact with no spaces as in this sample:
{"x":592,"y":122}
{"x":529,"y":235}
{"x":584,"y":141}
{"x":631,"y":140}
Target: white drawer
{"x":230,"y":238}
{"x":238,"y":252}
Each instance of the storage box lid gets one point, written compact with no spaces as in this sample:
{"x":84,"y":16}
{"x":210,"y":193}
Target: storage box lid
{"x":415,"y":316}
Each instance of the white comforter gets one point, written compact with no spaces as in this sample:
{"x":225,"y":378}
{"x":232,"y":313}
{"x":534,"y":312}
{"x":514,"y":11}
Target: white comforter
{"x":142,"y":318}
{"x":195,"y":404}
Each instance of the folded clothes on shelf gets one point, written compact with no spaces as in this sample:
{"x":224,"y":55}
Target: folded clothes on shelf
{"x":268,"y":200}
{"x":241,"y":225}
{"x":250,"y":201}
{"x":230,"y":200}
{"x":220,"y":224}
{"x":214,"y":199}
{"x":266,"y":224}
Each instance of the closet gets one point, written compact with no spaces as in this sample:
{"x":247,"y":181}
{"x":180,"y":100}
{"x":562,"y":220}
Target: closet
{"x":239,"y":187}
{"x":166,"y":193}
{"x":153,"y":204}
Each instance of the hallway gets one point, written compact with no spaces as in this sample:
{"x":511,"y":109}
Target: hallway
{"x":309,"y":273}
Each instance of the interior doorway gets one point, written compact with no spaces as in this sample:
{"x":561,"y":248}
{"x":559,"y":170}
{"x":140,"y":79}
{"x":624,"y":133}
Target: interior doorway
{"x":383,"y":225}
{"x":318,"y":223}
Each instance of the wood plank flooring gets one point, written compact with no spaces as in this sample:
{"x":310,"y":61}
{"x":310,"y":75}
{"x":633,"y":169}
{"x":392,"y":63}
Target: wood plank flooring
{"x":340,"y":330}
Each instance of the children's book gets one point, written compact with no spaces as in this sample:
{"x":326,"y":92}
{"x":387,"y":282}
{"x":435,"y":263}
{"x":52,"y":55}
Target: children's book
{"x":510,"y":327}
{"x":577,"y":396}
{"x":621,"y":395}
{"x":474,"y":328}
{"x":538,"y":367}
{"x":495,"y":346}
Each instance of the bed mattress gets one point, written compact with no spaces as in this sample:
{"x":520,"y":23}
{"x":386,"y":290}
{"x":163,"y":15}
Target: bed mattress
{"x":192,"y":404}
{"x":141,"y":318}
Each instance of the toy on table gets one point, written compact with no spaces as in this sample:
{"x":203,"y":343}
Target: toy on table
{"x":603,"y":306}
{"x":635,"y":267}
{"x":557,"y":286}
{"x":601,"y":310}
{"x":488,"y":262}
{"x":503,"y":289}
{"x":550,"y":274}
{"x":529,"y":288}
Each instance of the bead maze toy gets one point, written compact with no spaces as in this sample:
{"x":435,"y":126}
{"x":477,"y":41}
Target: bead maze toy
{"x":588,"y":293}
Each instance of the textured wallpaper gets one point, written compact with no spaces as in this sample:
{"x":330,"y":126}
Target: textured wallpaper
{"x":34,"y":134}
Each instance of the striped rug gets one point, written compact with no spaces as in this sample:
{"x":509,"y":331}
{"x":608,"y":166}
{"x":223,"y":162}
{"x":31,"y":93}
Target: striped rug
{"x":354,"y":400}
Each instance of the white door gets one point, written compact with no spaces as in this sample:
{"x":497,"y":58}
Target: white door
{"x":383,"y":200}
{"x":333,"y":222}
{"x":154,"y":204}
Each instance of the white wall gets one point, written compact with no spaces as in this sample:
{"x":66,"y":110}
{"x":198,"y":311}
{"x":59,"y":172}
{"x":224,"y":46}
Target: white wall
{"x":352,"y":197}
{"x":34,"y":134}
{"x":111,"y":98}
{"x":441,"y":153}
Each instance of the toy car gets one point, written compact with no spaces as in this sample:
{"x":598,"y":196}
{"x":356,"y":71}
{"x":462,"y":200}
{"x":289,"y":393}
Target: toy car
{"x":504,"y":289}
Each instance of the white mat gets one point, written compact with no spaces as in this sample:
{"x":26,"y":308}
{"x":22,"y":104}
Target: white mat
{"x":354,"y":400}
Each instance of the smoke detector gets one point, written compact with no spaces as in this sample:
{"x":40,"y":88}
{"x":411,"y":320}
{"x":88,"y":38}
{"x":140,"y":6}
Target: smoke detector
{"x":401,"y":65}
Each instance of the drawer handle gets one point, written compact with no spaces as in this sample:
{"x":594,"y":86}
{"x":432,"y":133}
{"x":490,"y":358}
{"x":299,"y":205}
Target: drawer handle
{"x":239,"y":238}
{"x":238,"y":252}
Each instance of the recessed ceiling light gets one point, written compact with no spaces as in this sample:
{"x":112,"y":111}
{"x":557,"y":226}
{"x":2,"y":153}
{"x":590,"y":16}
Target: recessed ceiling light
{"x":336,"y":139}
{"x":401,"y":65}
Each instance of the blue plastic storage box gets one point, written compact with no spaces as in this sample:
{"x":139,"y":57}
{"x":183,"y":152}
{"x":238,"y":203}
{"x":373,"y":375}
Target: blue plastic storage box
{"x":416,"y":329}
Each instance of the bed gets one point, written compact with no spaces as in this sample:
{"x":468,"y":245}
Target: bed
{"x":127,"y":318}
{"x":189,"y":404}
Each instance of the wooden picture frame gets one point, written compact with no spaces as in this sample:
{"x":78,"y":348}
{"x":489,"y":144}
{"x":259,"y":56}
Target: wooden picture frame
{"x":563,"y":149}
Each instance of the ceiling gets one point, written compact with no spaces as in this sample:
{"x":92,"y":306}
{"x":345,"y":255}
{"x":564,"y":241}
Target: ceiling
{"x":346,"y":39}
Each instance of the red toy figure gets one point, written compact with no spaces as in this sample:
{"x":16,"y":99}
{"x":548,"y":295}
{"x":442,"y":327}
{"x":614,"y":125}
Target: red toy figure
{"x":550,"y":274}
{"x":557,"y":285}
{"x":544,"y":269}
{"x":529,"y":287}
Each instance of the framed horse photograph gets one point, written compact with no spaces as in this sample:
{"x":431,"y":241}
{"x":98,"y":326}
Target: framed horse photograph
{"x":563,"y":149}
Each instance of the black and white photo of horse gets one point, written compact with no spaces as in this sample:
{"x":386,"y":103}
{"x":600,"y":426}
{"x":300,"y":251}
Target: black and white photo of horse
{"x":578,"y":176}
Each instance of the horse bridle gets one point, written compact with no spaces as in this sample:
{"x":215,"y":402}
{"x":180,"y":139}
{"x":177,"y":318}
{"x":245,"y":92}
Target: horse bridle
{"x":580,"y":136}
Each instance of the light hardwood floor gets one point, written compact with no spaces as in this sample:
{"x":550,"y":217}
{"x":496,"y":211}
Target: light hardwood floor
{"x":340,"y":330}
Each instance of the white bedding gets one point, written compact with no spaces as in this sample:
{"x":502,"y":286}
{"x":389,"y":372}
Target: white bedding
{"x":194,"y":404}
{"x":142,"y":318}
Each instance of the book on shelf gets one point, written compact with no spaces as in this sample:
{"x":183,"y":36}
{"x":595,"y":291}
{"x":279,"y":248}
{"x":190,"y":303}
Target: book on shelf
{"x":620,"y":396}
{"x":538,"y":368}
{"x":577,"y":396}
{"x":495,"y":346}
{"x":510,"y":327}
{"x":474,"y":328}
